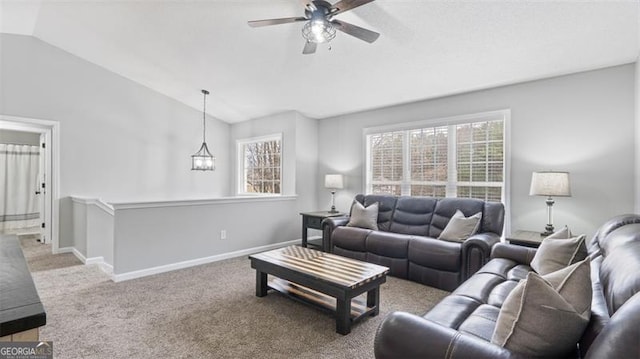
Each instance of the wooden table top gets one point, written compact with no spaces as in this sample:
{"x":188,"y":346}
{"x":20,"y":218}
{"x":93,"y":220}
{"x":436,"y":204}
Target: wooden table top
{"x":323,"y":214}
{"x":20,"y":306}
{"x":329,"y":267}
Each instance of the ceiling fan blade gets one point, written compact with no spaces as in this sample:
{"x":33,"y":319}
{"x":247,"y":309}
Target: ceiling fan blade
{"x":286,"y":20}
{"x":309,"y":48}
{"x":356,"y":31}
{"x":346,"y":5}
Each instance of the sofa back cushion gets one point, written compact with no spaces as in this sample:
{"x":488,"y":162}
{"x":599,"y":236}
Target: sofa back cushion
{"x":620,"y":274}
{"x":615,"y":275}
{"x":428,"y":216}
{"x":413,"y":215}
{"x":447,"y":207}
{"x":386,"y":206}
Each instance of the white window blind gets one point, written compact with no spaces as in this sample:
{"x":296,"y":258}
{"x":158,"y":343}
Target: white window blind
{"x":458,"y":159}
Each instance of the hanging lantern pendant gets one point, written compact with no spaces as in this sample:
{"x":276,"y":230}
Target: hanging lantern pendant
{"x":203,"y":160}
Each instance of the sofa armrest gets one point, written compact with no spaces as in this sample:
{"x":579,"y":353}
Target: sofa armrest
{"x":476,"y":251}
{"x":328,"y":225}
{"x":519,"y":254}
{"x":404,"y":335}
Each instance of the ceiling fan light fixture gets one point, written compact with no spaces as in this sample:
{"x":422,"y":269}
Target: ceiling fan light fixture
{"x":318,"y":31}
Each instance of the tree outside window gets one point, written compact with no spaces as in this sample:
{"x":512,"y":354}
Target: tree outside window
{"x":262,"y":165}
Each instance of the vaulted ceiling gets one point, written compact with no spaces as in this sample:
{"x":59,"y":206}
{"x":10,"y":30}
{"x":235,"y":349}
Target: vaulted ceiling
{"x":427,"y":49}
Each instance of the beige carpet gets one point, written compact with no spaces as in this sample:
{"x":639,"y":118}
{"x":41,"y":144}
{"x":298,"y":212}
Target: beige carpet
{"x":209,"y":311}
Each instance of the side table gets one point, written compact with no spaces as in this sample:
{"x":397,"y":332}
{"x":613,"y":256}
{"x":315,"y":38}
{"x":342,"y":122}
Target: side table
{"x":314,"y":220}
{"x":525,"y":238}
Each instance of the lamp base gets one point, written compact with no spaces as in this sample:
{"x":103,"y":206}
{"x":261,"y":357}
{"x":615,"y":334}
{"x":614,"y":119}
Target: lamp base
{"x":548,"y":230}
{"x":333,"y":209}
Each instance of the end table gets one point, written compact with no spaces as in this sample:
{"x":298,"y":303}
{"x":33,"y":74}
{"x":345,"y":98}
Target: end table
{"x":525,"y":238}
{"x":314,"y":220}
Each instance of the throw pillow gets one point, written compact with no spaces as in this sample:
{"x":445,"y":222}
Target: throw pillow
{"x":535,"y":320}
{"x":564,"y":233}
{"x":364,"y":217}
{"x":556,"y":252}
{"x":573,"y":283}
{"x":460,"y":227}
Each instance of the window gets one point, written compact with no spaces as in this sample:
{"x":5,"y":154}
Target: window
{"x":463,"y":157}
{"x":260,"y":165}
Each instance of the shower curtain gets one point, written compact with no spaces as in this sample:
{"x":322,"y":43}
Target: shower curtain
{"x":19,"y":205}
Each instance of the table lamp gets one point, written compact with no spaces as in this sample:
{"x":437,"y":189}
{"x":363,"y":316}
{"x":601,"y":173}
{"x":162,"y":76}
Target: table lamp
{"x":333,"y":182}
{"x":550,"y":184}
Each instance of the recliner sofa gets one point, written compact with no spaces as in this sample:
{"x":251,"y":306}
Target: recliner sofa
{"x":462,"y":324}
{"x":406,"y":239}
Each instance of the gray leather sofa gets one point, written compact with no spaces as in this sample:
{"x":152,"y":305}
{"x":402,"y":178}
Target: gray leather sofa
{"x":406,"y":238}
{"x":462,"y":324}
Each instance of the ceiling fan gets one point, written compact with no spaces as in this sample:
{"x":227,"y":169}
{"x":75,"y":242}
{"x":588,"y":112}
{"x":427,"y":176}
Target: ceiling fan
{"x":320,"y":25}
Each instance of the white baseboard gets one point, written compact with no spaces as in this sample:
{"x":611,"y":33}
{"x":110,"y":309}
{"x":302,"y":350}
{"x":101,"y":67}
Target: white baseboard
{"x":199,"y":261}
{"x":75,"y":252}
{"x":106,"y":267}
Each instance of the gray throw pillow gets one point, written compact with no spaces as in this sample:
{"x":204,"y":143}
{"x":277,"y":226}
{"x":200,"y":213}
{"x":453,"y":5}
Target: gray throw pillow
{"x":460,"y":227}
{"x":556,"y":252}
{"x":537,"y":321}
{"x":364,"y":217}
{"x":574,"y":284}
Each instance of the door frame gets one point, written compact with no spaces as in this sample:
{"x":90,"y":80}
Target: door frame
{"x":51,"y":131}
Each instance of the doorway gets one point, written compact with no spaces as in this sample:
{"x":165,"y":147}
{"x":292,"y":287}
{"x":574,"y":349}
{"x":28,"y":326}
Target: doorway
{"x":47,"y":178}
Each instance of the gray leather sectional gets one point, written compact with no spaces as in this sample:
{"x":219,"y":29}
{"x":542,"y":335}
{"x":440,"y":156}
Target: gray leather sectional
{"x":462,"y":324}
{"x":406,"y":239}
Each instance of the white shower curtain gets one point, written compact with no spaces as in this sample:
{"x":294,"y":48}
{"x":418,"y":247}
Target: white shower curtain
{"x":19,"y":206}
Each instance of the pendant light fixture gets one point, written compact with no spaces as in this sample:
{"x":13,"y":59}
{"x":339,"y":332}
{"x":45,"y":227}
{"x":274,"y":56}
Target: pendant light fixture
{"x":203,"y":160}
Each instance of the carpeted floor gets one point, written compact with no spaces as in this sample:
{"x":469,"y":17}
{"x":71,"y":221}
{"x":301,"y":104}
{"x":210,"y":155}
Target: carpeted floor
{"x":209,"y":311}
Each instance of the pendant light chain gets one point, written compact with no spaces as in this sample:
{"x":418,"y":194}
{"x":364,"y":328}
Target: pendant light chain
{"x":204,"y":111}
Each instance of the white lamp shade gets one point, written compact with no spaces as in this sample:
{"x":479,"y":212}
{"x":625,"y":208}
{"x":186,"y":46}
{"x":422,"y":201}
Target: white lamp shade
{"x":550,"y":183}
{"x":334,"y":181}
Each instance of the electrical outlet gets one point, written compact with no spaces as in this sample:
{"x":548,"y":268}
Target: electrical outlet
{"x":223,"y":234}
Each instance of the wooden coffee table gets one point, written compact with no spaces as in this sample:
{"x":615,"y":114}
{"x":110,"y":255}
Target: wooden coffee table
{"x":322,"y":279}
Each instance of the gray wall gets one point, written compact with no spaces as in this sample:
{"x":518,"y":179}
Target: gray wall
{"x":119,"y":139}
{"x":159,"y":235}
{"x":582,"y":123}
{"x":19,"y":137}
{"x":300,"y":153}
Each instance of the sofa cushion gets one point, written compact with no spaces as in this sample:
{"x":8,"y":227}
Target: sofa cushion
{"x":452,"y":311}
{"x":460,"y":227}
{"x":412,"y":215}
{"x":506,"y":268}
{"x":479,"y":287}
{"x":388,"y":244}
{"x":482,"y":322}
{"x":556,"y":253}
{"x":536,"y":320}
{"x":352,"y":238}
{"x":434,"y":253}
{"x":364,"y":217}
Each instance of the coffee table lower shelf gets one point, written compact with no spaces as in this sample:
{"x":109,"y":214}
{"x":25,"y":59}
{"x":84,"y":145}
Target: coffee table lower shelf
{"x":359,"y":308}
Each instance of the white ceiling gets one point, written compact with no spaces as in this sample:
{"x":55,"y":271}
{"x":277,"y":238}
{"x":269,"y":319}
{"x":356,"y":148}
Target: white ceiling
{"x":426,"y":49}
